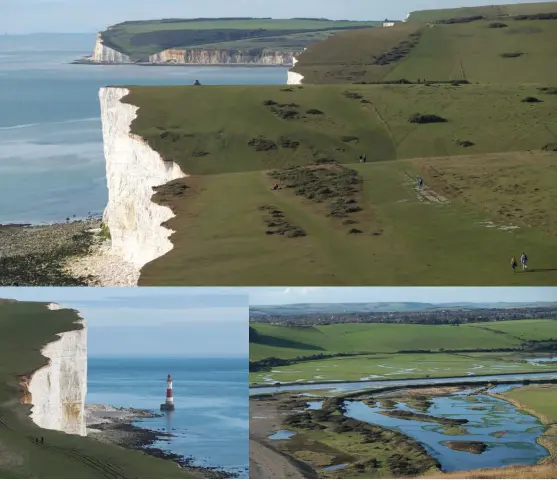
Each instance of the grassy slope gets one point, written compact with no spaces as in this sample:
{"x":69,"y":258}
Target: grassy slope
{"x":469,"y":51}
{"x":538,"y":399}
{"x":288,"y":342}
{"x":223,"y":242}
{"x":26,"y":327}
{"x":121,"y":36}
{"x":524,"y":8}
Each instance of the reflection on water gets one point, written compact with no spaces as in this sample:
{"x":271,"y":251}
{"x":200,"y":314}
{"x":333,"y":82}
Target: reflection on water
{"x":510,"y":435}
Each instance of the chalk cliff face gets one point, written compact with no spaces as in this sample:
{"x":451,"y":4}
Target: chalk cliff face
{"x":104,"y":54}
{"x":221,"y":57}
{"x":132,"y":170}
{"x":57,"y":390}
{"x":294,"y":78}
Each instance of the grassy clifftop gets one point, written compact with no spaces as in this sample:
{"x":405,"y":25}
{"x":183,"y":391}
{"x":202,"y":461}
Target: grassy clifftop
{"x":489,"y":193}
{"x":25,"y":327}
{"x":510,"y":51}
{"x":143,"y":38}
{"x":488,"y":11}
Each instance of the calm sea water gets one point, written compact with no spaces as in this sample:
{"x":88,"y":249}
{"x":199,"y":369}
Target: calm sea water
{"x":51,"y":157}
{"x":211,"y":420}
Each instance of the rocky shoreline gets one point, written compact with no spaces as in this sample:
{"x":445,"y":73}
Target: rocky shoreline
{"x":114,"y":425}
{"x":73,"y":253}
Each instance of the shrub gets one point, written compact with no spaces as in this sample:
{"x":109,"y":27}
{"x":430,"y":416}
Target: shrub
{"x":512,"y":54}
{"x":531,"y":100}
{"x":314,"y":111}
{"x":285,"y":142}
{"x":269,"y":103}
{"x":548,"y":90}
{"x":497,"y":25}
{"x":349,"y":138}
{"x":353,"y":231}
{"x":428,"y":118}
{"x":465,"y":143}
{"x":352,"y":95}
{"x":262,"y":144}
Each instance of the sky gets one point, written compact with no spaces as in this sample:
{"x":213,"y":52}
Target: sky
{"x":172,"y":322}
{"x":83,"y":16}
{"x":285,"y":296}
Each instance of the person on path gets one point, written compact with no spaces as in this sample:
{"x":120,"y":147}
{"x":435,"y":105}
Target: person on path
{"x":42,"y":440}
{"x":513,"y":264}
{"x":364,"y":158}
{"x":524,"y":261}
{"x":420,"y":182}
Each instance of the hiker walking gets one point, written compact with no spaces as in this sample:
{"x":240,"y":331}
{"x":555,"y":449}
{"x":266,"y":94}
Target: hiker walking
{"x":513,"y":264}
{"x":364,"y":158}
{"x":42,"y":440}
{"x":524,"y":261}
{"x":420,"y":182}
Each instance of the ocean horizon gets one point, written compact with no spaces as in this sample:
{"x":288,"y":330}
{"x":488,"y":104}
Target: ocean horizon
{"x":52,"y":164}
{"x":211,"y":417}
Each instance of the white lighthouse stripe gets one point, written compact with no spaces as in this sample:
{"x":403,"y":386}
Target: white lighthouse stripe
{"x":170,"y":400}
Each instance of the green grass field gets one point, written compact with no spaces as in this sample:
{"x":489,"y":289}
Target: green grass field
{"x":541,"y":400}
{"x":288,"y":342}
{"x":466,"y":51}
{"x":383,"y":341}
{"x":525,"y":8}
{"x":25,"y":328}
{"x":143,"y":38}
{"x":446,"y":236}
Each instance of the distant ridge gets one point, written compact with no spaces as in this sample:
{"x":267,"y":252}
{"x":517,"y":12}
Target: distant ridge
{"x":381,"y":307}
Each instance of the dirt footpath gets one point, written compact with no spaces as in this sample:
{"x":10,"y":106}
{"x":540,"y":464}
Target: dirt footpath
{"x":267,"y":461}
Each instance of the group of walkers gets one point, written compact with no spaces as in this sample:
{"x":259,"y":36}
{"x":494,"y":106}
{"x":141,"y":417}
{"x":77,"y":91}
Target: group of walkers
{"x":523,"y":261}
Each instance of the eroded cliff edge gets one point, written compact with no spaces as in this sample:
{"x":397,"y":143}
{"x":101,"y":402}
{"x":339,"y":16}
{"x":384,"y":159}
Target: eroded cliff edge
{"x":132,"y":170}
{"x":102,"y":55}
{"x":57,"y":390}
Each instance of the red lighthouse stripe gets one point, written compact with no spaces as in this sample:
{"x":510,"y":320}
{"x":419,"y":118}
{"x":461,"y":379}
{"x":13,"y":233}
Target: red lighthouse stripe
{"x":168,"y":392}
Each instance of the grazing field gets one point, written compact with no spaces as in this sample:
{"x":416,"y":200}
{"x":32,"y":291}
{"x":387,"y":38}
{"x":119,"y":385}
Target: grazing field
{"x":522,"y":52}
{"x":26,"y":327}
{"x":287,"y":342}
{"x":490,"y":11}
{"x":139,"y":39}
{"x":434,"y":235}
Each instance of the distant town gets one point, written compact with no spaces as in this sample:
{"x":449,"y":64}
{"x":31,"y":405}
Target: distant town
{"x":436,"y":317}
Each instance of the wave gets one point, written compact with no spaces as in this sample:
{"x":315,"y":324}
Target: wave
{"x":29,"y":125}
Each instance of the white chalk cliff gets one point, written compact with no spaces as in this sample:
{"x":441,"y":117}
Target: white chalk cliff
{"x":57,"y":390}
{"x":104,"y":54}
{"x":196,"y":56}
{"x":132,"y":170}
{"x":294,"y":78}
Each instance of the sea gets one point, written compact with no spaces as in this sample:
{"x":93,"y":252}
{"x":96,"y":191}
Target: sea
{"x":51,"y":155}
{"x":211,"y":419}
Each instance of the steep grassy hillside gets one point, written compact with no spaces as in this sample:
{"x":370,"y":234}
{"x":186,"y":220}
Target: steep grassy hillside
{"x":406,"y":236}
{"x":143,"y":38}
{"x":25,"y":328}
{"x":521,"y":52}
{"x":489,"y":11}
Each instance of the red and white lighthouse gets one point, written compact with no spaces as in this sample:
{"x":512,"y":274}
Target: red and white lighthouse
{"x":169,"y":404}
